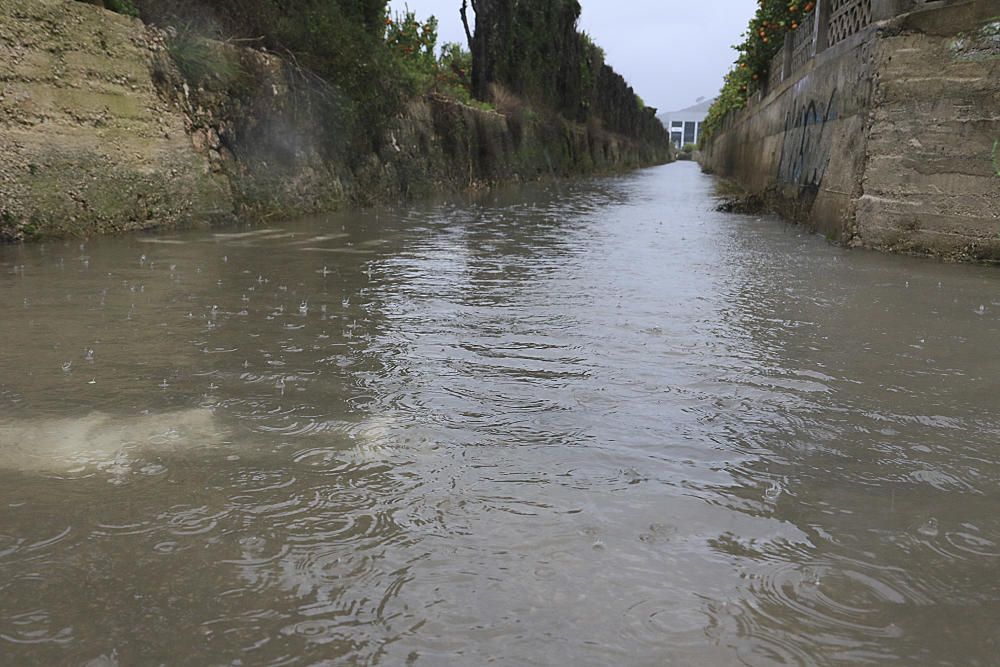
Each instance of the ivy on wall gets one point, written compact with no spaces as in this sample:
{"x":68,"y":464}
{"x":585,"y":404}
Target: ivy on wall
{"x":761,"y":42}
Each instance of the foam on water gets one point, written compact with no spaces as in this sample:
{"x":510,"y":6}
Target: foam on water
{"x":100,"y":439}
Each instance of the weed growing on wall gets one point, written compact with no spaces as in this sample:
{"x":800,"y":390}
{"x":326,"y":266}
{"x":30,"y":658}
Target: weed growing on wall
{"x":122,"y":7}
{"x":205,"y":63}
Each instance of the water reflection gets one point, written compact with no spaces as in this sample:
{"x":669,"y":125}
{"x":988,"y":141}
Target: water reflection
{"x":592,"y":423}
{"x":879,"y":446}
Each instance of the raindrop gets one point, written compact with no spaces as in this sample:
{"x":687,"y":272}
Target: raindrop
{"x":304,"y":307}
{"x":225,"y":258}
{"x":67,"y":366}
{"x":164,"y":384}
{"x":929,"y":529}
{"x":142,"y":260}
{"x":88,"y":355}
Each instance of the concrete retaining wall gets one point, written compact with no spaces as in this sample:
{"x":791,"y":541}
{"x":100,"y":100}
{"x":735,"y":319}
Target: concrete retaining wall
{"x":887,"y":140}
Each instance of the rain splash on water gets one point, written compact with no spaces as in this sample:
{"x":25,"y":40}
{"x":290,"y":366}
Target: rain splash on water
{"x":586,"y":423}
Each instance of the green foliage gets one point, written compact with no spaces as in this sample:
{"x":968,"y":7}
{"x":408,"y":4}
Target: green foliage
{"x":689,"y":148}
{"x":454,"y":74}
{"x":126,"y":7}
{"x":533,"y":49}
{"x":412,"y":43}
{"x":762,"y":41}
{"x":337,"y":46}
{"x":211,"y":65}
{"x":455,"y":64}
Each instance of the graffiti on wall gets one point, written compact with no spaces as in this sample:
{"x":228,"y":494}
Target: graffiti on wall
{"x":808,"y":138}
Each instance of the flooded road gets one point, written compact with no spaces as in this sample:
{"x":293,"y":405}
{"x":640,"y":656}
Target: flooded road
{"x":591,"y":424}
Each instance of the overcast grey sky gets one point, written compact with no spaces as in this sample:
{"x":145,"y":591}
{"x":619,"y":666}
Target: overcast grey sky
{"x":671,"y":51}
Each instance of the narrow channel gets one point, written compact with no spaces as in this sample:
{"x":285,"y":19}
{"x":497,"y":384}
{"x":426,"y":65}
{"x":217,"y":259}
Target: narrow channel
{"x":588,"y":423}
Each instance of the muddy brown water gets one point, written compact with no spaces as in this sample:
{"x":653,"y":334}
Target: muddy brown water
{"x":592,"y":423}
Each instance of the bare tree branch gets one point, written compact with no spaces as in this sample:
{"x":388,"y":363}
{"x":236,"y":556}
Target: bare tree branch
{"x":465,"y":20}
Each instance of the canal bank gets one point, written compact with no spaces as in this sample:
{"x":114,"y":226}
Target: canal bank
{"x":100,"y":132}
{"x":879,"y":127}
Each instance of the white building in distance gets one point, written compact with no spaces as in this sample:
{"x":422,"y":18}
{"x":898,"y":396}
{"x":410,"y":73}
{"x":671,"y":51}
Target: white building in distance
{"x":685,"y":125}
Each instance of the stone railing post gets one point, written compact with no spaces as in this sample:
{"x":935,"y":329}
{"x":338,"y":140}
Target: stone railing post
{"x":821,"y":35}
{"x":788,"y":52}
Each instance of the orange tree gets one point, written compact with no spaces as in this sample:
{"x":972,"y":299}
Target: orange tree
{"x":412,"y":42}
{"x":762,"y":40}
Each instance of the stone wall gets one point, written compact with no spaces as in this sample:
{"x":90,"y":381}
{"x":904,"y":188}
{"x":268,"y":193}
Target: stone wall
{"x":100,"y":133}
{"x":888,"y":138}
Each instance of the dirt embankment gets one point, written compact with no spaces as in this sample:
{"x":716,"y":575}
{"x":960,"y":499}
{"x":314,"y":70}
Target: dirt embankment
{"x":87,"y":144}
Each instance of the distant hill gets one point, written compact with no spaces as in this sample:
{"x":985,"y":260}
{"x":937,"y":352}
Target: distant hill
{"x":698,"y":110}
